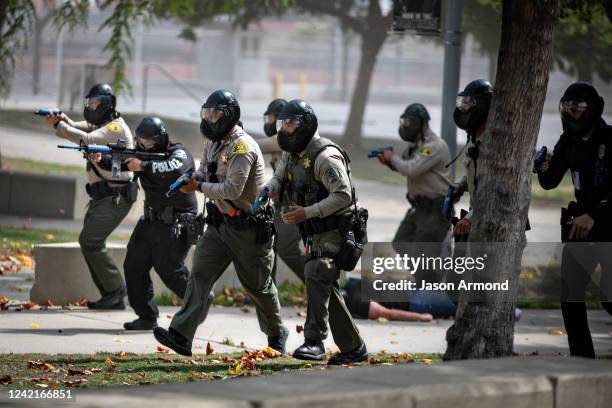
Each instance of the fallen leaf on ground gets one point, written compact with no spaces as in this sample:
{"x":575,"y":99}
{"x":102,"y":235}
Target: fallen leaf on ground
{"x":299,"y":328}
{"x":40,"y":365}
{"x":426,"y":361}
{"x":121,"y":341}
{"x":271,"y":353}
{"x":6,"y":380}
{"x":47,"y":302}
{"x":34,"y":326}
{"x":74,"y":383}
{"x":41,"y":385}
{"x":110,"y":362}
{"x":209,"y":349}
{"x":301,"y":314}
{"x":161,"y":349}
{"x":556,"y":332}
{"x":78,"y":372}
{"x":169,"y":316}
{"x":235,"y":369}
{"x":245,"y":309}
{"x":123,"y":356}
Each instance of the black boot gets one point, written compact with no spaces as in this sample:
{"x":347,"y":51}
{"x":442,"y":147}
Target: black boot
{"x":349,"y":357}
{"x":278,"y":342}
{"x":310,"y":350}
{"x":110,"y":301}
{"x":140,"y":324}
{"x":173,"y":339}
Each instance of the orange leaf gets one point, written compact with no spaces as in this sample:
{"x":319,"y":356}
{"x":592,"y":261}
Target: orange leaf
{"x":110,"y":362}
{"x":161,"y":349}
{"x":48,"y":302}
{"x":209,"y":349}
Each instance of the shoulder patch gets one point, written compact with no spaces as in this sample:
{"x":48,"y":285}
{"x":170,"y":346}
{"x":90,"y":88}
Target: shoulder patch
{"x":332,"y":175}
{"x":180,"y":153}
{"x":426,"y":151}
{"x":114,"y":127}
{"x":241,"y":147}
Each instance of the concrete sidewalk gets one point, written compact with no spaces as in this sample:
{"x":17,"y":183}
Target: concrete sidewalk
{"x":88,"y":331}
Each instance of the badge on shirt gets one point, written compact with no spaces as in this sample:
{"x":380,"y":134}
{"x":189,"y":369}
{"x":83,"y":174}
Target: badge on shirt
{"x":240,"y":148}
{"x":114,"y":127}
{"x":426,"y":151}
{"x":306,"y":162}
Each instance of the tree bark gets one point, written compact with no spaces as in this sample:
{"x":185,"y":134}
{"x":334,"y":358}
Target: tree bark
{"x":486,"y":329}
{"x":370,"y":47}
{"x":39,"y":26}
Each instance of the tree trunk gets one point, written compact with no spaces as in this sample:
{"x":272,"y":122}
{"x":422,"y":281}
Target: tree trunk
{"x":501,"y":202}
{"x":371,"y":44}
{"x":39,"y":26}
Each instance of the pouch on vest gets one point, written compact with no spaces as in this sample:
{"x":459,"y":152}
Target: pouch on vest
{"x":349,"y":254}
{"x":264,"y":225}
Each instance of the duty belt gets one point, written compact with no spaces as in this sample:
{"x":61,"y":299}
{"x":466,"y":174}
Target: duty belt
{"x":236,"y":219}
{"x":426,"y":203}
{"x":168,"y":215}
{"x":320,"y":225}
{"x":101,"y":189}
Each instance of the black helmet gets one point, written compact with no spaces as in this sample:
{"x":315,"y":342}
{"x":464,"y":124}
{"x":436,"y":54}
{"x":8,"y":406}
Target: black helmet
{"x":472,"y":107}
{"x":100,"y":103}
{"x":412,"y":121}
{"x":296,"y":125}
{"x":270,"y":115}
{"x":220,"y":113}
{"x":152,"y":128}
{"x":581,"y":108}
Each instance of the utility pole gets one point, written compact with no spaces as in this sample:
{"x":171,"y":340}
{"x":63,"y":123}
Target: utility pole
{"x":452,"y":68}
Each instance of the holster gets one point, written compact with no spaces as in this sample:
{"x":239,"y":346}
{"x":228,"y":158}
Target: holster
{"x":166,"y":215}
{"x":101,"y":189}
{"x":263,"y":222}
{"x":190,"y":225}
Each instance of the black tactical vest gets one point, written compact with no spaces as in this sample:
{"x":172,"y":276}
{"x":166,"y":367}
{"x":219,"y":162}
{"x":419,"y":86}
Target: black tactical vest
{"x":302,"y":189}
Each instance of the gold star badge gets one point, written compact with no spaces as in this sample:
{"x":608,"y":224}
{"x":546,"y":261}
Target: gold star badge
{"x":306,"y":162}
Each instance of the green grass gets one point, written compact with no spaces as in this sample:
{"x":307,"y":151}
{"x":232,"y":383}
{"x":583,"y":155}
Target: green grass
{"x":38,"y":167}
{"x":67,"y":370}
{"x":13,"y":238}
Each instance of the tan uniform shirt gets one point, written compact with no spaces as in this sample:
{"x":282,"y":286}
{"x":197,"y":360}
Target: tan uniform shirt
{"x":329,"y":169}
{"x":112,"y":132}
{"x":424,"y":166}
{"x":240,"y":171}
